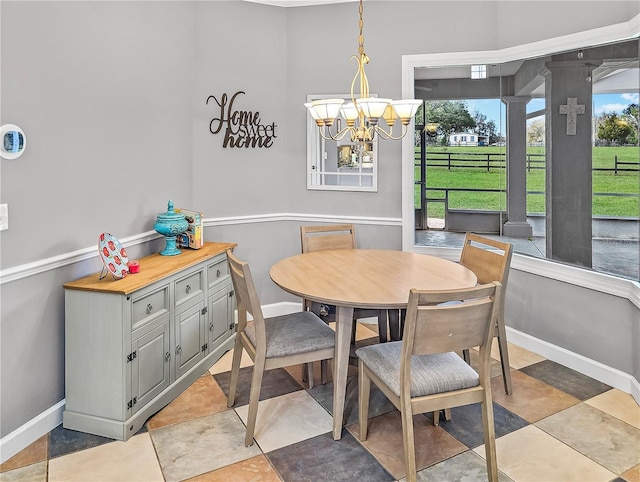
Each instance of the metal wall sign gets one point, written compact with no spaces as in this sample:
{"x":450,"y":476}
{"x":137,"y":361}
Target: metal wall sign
{"x":242,"y":128}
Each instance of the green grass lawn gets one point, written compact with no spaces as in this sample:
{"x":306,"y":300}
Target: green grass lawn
{"x":476,"y":178}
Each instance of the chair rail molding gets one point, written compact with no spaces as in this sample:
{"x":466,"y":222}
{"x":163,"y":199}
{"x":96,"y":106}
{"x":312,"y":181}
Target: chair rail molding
{"x":621,"y":287}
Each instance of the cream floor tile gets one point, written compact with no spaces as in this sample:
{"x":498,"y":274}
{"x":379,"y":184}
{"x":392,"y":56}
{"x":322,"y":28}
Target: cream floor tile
{"x":287,"y":419}
{"x":201,"y":445}
{"x":224,"y":363}
{"x":30,"y":473}
{"x":366,"y":330}
{"x":619,"y":404}
{"x":518,"y":357}
{"x":362,"y":330}
{"x":134,"y":459}
{"x":603,"y":438}
{"x":531,"y":455}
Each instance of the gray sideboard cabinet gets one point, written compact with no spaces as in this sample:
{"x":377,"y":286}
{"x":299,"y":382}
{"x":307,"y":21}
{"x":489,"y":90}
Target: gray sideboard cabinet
{"x":134,"y":344}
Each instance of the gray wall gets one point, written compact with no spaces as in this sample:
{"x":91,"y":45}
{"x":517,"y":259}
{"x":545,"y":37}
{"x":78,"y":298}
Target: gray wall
{"x":111,"y":96}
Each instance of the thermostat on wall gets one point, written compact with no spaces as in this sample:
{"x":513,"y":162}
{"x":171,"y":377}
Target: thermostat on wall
{"x":12,"y":141}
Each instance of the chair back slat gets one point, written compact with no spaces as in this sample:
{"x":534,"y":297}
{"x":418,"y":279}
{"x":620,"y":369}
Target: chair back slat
{"x":246,"y":295}
{"x":464,"y":322}
{"x":440,"y":329}
{"x":487,"y":264}
{"x":318,"y":238}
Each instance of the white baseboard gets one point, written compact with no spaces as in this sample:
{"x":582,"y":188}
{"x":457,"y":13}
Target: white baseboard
{"x":31,"y":431}
{"x":594,"y":369}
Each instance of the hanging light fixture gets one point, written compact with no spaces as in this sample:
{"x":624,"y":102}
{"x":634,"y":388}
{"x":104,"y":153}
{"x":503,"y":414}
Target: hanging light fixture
{"x":363,"y":113}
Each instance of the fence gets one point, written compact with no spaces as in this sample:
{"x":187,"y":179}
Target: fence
{"x":488,"y":161}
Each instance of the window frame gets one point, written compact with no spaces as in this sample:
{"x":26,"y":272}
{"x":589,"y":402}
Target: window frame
{"x":541,"y":266}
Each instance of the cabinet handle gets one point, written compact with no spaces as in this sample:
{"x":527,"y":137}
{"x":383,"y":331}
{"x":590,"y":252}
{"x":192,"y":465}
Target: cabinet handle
{"x":178,"y":349}
{"x":231,"y":294}
{"x":149,"y":308}
{"x":188,"y":289}
{"x":167,"y":356}
{"x":218,"y":273}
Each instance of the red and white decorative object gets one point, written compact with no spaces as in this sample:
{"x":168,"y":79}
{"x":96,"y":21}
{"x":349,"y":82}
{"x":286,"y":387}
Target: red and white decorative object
{"x":113,"y":256}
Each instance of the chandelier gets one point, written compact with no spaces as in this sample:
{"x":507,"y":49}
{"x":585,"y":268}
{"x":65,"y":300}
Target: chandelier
{"x":362,"y":115}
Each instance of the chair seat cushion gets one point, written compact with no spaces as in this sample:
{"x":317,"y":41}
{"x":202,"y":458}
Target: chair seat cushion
{"x":430,"y":374}
{"x":294,"y":333}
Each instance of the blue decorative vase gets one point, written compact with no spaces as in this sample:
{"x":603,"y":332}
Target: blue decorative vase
{"x":171,"y":225}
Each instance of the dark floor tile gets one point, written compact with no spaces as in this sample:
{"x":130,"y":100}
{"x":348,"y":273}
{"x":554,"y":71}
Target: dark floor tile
{"x":466,"y":423}
{"x":274,"y":383}
{"x":322,"y":458}
{"x":378,"y":402}
{"x":63,"y":441}
{"x":569,"y":381}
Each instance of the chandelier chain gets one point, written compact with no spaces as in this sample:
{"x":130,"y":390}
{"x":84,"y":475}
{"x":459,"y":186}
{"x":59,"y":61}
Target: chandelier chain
{"x":363,"y":114}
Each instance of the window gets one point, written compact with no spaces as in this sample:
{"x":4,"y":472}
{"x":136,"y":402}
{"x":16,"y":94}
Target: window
{"x":339,"y":165}
{"x":603,"y":235}
{"x":478,"y":71}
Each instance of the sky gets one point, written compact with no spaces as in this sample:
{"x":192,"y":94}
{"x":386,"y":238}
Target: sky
{"x":601,"y":103}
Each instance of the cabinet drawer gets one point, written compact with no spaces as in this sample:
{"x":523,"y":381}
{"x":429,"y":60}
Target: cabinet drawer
{"x":217,"y":272}
{"x":190,"y":288}
{"x":150,"y":306}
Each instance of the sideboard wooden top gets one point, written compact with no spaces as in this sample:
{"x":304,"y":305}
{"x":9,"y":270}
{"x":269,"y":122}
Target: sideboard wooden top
{"x":152,"y":268}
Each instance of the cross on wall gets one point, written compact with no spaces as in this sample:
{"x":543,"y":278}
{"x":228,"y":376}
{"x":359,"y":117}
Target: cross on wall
{"x":571,"y":109}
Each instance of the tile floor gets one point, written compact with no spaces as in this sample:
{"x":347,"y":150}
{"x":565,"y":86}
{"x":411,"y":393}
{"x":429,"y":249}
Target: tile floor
{"x":558,"y":425}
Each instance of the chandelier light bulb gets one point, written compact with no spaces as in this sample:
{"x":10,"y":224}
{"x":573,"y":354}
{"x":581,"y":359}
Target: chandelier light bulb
{"x":363,"y":113}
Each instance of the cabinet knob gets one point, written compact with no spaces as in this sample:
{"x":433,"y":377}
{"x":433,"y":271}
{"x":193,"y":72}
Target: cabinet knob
{"x":149,"y":308}
{"x":167,"y":356}
{"x":178,"y":349}
{"x":210,"y":325}
{"x":187,"y":289}
{"x":218,"y":273}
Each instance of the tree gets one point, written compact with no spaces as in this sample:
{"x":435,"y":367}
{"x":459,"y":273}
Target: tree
{"x":450,"y":115}
{"x":631,"y":115}
{"x":485,"y":127}
{"x":535,"y":132}
{"x":613,"y":129}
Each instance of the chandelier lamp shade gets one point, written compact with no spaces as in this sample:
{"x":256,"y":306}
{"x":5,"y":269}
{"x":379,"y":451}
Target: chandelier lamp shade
{"x":362,"y":115}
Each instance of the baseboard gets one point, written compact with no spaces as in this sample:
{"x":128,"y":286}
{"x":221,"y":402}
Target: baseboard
{"x":31,"y":431}
{"x":594,"y":369}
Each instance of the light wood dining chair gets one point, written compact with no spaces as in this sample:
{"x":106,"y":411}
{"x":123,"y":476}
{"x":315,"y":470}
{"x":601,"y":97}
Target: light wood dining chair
{"x":339,"y":236}
{"x":423,"y":372}
{"x":275,"y":342}
{"x":490,"y":260}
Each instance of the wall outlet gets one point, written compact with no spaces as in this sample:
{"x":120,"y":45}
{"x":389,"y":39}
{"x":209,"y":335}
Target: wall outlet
{"x":4,"y":217}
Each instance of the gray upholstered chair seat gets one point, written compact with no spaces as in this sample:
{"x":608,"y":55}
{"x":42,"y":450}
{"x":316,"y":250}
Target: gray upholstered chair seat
{"x":294,"y":333}
{"x":430,"y":374}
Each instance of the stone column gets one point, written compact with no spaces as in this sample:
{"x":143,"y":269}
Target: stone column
{"x":517,"y":224}
{"x":568,"y":162}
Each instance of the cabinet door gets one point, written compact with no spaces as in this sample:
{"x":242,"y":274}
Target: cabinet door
{"x":190,"y":338}
{"x":150,"y":366}
{"x":220,"y":308}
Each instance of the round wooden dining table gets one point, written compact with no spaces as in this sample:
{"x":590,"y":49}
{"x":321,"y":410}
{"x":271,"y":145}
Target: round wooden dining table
{"x":363,"y":278}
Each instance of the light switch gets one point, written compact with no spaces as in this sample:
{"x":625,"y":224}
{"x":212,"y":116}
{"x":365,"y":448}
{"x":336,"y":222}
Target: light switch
{"x":4,"y":217}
